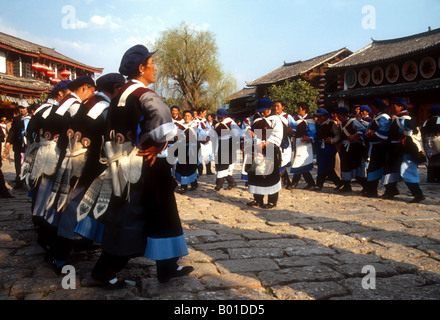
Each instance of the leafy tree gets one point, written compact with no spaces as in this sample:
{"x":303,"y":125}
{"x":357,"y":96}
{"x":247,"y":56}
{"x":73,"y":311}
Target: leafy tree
{"x":293,"y":92}
{"x":189,"y":70}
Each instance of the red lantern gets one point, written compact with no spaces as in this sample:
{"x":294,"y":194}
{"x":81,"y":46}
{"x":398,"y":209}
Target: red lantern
{"x":44,"y":68}
{"x":36,"y":67}
{"x":50,"y":73}
{"x":65,"y":73}
{"x":55,"y":81}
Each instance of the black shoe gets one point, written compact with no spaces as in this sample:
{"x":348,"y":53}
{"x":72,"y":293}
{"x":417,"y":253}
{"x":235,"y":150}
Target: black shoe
{"x":183,"y":190}
{"x":338,"y":187}
{"x":318,"y":187}
{"x":18,"y":185}
{"x":387,"y":196}
{"x":418,"y":199}
{"x":5,"y":195}
{"x":268,"y":206}
{"x":370,"y":195}
{"x":390,"y":194}
{"x":255,"y":204}
{"x":309,"y":186}
{"x":57,"y":266}
{"x":217,"y":188}
{"x":232,"y":186}
{"x":177,"y":273}
{"x":345,"y":189}
{"x":120,"y":284}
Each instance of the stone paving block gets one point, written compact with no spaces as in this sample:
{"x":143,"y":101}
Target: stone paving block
{"x":286,"y":244}
{"x":406,"y":287}
{"x":246,"y":265}
{"x":254,"y":294}
{"x":151,"y":288}
{"x":204,"y":269}
{"x":248,"y":253}
{"x":309,"y":291}
{"x":315,"y":249}
{"x":299,"y":274}
{"x":227,"y":281}
{"x":27,"y":286}
{"x":299,"y":261}
{"x":222,"y":245}
{"x":356,"y":269}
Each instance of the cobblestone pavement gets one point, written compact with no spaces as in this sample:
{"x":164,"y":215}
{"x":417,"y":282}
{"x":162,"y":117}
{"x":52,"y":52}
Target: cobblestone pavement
{"x":314,"y":245}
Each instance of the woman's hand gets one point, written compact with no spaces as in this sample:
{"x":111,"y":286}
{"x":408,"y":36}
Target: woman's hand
{"x":150,"y":154}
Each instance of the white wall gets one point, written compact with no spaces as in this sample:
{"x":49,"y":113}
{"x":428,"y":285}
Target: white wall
{"x":2,"y":62}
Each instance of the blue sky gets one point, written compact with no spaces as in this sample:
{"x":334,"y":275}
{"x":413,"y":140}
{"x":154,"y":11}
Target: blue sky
{"x":254,"y":37}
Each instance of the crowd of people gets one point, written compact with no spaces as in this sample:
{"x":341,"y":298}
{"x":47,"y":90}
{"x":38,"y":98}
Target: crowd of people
{"x":104,"y":159}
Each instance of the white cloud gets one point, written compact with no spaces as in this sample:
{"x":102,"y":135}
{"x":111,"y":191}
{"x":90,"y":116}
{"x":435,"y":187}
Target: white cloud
{"x":99,"y":22}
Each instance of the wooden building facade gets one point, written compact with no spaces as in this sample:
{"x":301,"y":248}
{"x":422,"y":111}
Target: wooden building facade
{"x":28,"y":70}
{"x":407,"y":67}
{"x":312,"y":70}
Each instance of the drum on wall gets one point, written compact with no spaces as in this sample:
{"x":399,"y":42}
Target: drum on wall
{"x":364,"y":77}
{"x":377,"y":75}
{"x":350,"y":78}
{"x":392,"y":73}
{"x":410,"y":70}
{"x":427,"y":67}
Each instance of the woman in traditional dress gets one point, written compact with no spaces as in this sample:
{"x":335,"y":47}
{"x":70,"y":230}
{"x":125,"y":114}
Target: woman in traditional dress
{"x":77,"y":230}
{"x":377,"y":136}
{"x":142,"y":219}
{"x":187,"y":152}
{"x":304,"y":139}
{"x":264,"y":172}
{"x":402,"y":152}
{"x":327,"y":136}
{"x":228,"y":135}
{"x":431,"y":138}
{"x":352,"y":150}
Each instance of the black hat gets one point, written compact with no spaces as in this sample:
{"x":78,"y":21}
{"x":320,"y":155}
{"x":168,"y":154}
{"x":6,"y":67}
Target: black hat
{"x":365,"y":108}
{"x":80,"y":81}
{"x":399,"y":102}
{"x":322,"y":112}
{"x":379,"y":104}
{"x":221,"y":113}
{"x":61,"y":86}
{"x":263,"y":105}
{"x":342,"y":110}
{"x":133,"y":58}
{"x":109,"y":79}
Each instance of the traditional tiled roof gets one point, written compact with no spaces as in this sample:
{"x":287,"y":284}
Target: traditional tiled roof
{"x":384,"y":50}
{"x":8,"y":81}
{"x":37,"y":50}
{"x":243,"y":93}
{"x":291,"y":70}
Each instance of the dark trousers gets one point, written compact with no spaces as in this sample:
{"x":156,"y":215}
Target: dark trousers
{"x":307,"y":177}
{"x":272,"y":198}
{"x":208,"y":168}
{"x":321,"y":178}
{"x":47,"y":233}
{"x":414,"y":188}
{"x":17,"y":163}
{"x":371,"y":187}
{"x":220,"y":181}
{"x":285,"y":178}
{"x":4,"y":192}
{"x":108,"y":266}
